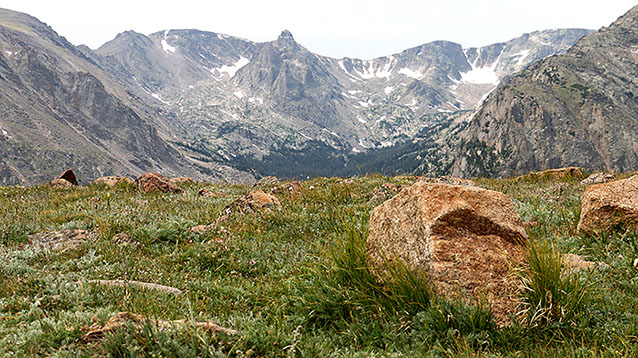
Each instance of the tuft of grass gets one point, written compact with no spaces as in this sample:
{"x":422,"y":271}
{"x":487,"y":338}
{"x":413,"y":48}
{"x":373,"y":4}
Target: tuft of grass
{"x":552,"y":293}
{"x":345,"y":284}
{"x":449,"y":321}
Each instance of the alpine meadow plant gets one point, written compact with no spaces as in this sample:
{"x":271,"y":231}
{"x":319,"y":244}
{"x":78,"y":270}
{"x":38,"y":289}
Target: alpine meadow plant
{"x":552,"y":292}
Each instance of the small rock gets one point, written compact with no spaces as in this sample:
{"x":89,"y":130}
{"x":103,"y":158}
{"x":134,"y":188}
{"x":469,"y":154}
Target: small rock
{"x":201,"y":228}
{"x":123,"y":238}
{"x":575,"y":262}
{"x":112,"y":181}
{"x":556,"y":174}
{"x":207,"y":193}
{"x":636,"y":263}
{"x":183,"y":180}
{"x":609,"y":205}
{"x":266,"y":182}
{"x":69,"y":176}
{"x":597,"y":178}
{"x":255,"y":201}
{"x":155,"y":182}
{"x":61,"y":240}
{"x":60,"y":183}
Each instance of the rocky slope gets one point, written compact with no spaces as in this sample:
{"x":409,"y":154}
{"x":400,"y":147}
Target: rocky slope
{"x":263,"y":106}
{"x":575,"y":109}
{"x":60,"y":110}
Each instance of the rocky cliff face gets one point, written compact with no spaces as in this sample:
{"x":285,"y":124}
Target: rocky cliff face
{"x":60,"y":110}
{"x":575,"y":109}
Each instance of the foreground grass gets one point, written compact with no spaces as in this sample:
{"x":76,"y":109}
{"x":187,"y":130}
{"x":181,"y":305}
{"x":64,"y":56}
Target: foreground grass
{"x":293,"y":282}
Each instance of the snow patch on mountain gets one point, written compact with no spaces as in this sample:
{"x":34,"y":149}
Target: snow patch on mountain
{"x":410,"y":73}
{"x":522,"y":56}
{"x":157,"y":97}
{"x":165,"y":46}
{"x":232,"y":69}
{"x":481,"y":75}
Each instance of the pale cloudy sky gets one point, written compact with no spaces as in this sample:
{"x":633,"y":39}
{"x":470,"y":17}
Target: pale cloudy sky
{"x":337,"y":28}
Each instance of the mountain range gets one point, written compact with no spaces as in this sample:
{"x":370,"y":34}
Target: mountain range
{"x":579,"y":108}
{"x":208,"y":105}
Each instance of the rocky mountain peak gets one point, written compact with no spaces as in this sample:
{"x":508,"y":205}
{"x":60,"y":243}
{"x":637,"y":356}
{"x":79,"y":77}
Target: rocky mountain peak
{"x":286,"y":42}
{"x":285,"y":36}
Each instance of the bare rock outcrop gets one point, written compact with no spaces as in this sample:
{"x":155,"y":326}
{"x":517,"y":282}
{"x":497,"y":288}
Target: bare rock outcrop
{"x":268,"y":182}
{"x":207,"y":193}
{"x":155,"y":182}
{"x":463,"y":238}
{"x":253,"y":202}
{"x":61,"y":240}
{"x":597,"y":178}
{"x":183,"y":181}
{"x":112,"y":181}
{"x":609,"y":205}
{"x":60,"y":183}
{"x":556,"y":174}
{"x":69,"y":176}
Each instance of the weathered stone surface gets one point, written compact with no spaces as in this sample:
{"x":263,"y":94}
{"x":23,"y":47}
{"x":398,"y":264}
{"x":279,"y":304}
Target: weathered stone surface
{"x":69,"y":176}
{"x":463,"y":238}
{"x":556,"y":174}
{"x":60,"y":183}
{"x":266,"y":182}
{"x":607,"y":205}
{"x":207,"y":193}
{"x":182,"y":180}
{"x":112,"y":181}
{"x":155,"y":182}
{"x":597,"y":178}
{"x":61,"y":240}
{"x":255,"y":201}
{"x":575,"y":262}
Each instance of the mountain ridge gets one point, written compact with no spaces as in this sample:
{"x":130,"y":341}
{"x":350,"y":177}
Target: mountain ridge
{"x":218,"y":105}
{"x":573,"y":109}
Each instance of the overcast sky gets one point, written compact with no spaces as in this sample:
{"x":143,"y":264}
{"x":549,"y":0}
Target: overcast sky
{"x":353,"y":28}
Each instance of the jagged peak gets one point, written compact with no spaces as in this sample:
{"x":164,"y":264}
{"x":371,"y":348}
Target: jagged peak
{"x":129,"y":33}
{"x":285,"y":36}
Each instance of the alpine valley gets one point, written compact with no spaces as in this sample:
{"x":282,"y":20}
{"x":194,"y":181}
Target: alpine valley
{"x":217,"y":107}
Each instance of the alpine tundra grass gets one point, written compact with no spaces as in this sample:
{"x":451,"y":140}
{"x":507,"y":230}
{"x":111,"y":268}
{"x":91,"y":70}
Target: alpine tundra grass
{"x":294,"y":281}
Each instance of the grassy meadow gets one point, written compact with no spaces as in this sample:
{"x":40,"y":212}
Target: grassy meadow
{"x":293,"y":281}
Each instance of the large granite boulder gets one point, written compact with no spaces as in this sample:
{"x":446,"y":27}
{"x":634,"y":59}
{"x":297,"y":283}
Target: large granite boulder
{"x":463,"y":238}
{"x":609,"y":205}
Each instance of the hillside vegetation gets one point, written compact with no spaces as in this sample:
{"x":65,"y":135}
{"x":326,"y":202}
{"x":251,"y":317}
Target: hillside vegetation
{"x":293,"y":281}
